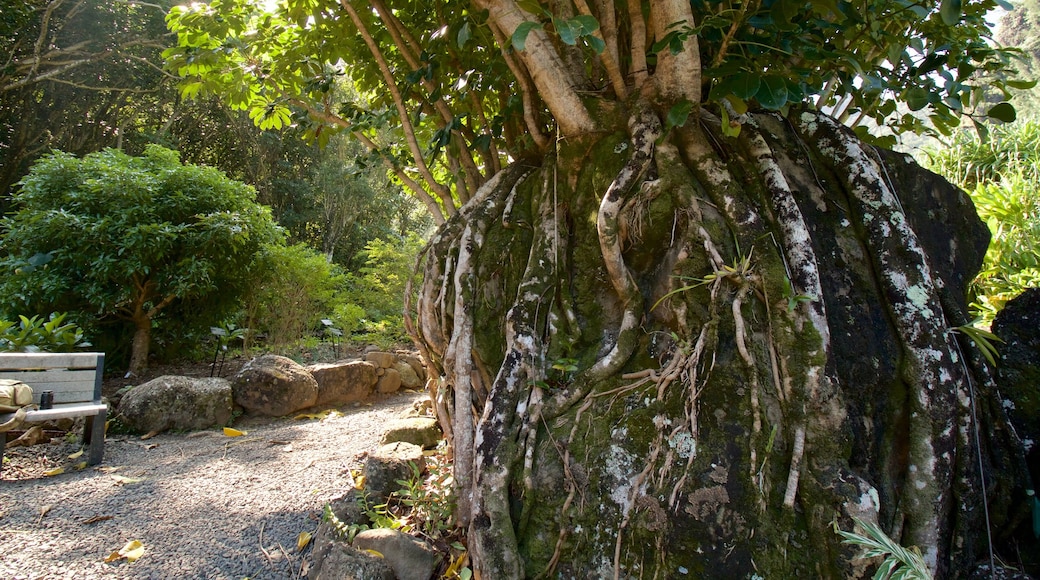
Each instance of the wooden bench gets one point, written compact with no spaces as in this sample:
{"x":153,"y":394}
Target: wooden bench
{"x":75,"y":379}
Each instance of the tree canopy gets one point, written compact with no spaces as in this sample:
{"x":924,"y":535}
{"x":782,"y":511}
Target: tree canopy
{"x":127,"y":237}
{"x":446,"y":91}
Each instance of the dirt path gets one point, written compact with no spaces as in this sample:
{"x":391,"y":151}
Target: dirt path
{"x":199,"y":504}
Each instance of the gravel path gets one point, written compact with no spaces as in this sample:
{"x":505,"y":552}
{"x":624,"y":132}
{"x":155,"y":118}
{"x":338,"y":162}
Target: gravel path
{"x":201,"y":505}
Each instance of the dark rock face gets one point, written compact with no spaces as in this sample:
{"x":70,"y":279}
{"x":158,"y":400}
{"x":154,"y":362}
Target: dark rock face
{"x":1018,"y":376}
{"x":274,"y":386}
{"x":171,"y":402}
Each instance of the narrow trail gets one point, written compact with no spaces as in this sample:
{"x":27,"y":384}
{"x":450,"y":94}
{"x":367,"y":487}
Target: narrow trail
{"x":203,"y":505}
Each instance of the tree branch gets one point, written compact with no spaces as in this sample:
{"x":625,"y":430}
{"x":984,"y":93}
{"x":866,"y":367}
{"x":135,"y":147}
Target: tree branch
{"x":678,"y":76}
{"x":409,"y":130}
{"x":546,"y":67}
{"x":608,"y":58}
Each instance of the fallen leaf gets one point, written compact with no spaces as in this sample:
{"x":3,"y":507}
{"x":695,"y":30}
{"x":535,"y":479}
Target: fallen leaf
{"x":321,"y":415}
{"x":132,"y":551}
{"x":80,"y":466}
{"x":55,"y":471}
{"x":359,"y":482}
{"x":149,"y":435}
{"x":121,"y":480}
{"x":95,"y":519}
{"x":375,"y":553}
{"x":302,"y":540}
{"x":76,"y":455}
{"x":43,"y":512}
{"x":107,"y":469}
{"x":151,"y":446}
{"x":233,"y":432}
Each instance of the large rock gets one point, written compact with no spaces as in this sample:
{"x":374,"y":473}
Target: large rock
{"x":274,"y":385}
{"x":422,"y":431}
{"x":344,"y":381}
{"x":1018,"y":375}
{"x":389,"y":463}
{"x":172,"y":402}
{"x":409,"y":379}
{"x":389,"y":382}
{"x":416,"y":364}
{"x":380,"y":358}
{"x":336,"y":560}
{"x":410,"y":557}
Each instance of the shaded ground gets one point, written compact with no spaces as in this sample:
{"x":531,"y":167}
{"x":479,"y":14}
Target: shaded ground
{"x":202,"y":504}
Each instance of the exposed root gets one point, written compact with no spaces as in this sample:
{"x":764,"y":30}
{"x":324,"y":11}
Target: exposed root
{"x":645,"y":128}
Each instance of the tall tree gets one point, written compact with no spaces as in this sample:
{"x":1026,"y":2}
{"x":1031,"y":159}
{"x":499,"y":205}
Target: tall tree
{"x":664,"y":283}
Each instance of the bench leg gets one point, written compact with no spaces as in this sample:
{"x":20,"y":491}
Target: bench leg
{"x":94,"y":435}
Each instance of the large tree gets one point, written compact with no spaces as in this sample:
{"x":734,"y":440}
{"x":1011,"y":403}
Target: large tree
{"x":126,"y":237}
{"x":682,"y":320}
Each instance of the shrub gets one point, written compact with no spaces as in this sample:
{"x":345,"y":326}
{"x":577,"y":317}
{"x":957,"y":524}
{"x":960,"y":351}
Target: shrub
{"x":37,"y":334}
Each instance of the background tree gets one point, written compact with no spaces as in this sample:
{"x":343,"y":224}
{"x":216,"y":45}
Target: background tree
{"x":75,"y":75}
{"x":127,"y":237}
{"x":761,"y":330}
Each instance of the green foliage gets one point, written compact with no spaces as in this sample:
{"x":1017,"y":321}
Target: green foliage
{"x":983,"y":339}
{"x":377,"y":289}
{"x":296,"y":288}
{"x":898,"y":563}
{"x":1002,"y":175}
{"x":38,"y":334}
{"x":111,"y":236}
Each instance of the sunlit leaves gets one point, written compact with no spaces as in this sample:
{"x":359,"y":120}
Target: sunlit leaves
{"x":131,"y":552}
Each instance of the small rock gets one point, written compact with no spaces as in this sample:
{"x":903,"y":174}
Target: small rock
{"x":391,"y":462}
{"x":390,"y":382}
{"x":410,"y":557}
{"x":172,"y":402}
{"x":383,"y":359}
{"x":422,"y":431}
{"x":274,"y":385}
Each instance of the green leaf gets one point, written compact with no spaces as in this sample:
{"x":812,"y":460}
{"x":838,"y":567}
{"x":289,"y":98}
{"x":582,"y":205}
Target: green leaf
{"x":772,"y":94}
{"x":530,"y":6}
{"x":568,"y":30}
{"x":950,"y":11}
{"x":745,"y":85}
{"x":596,"y":44}
{"x":679,"y":113}
{"x":1003,"y":112}
{"x":1020,"y":84}
{"x":519,"y":38}
{"x":917,"y":98}
{"x":463,"y":36}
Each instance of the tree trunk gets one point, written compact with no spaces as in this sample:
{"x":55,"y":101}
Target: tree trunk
{"x":140,"y":345}
{"x":761,"y":330}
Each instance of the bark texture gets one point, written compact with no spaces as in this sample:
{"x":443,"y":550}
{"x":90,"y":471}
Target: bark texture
{"x":691,"y":354}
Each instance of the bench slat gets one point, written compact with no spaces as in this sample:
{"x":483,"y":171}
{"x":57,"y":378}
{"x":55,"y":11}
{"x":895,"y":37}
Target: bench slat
{"x":64,"y":412}
{"x":49,"y":360}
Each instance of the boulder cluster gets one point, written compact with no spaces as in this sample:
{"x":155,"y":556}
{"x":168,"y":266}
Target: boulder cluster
{"x":269,"y":385}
